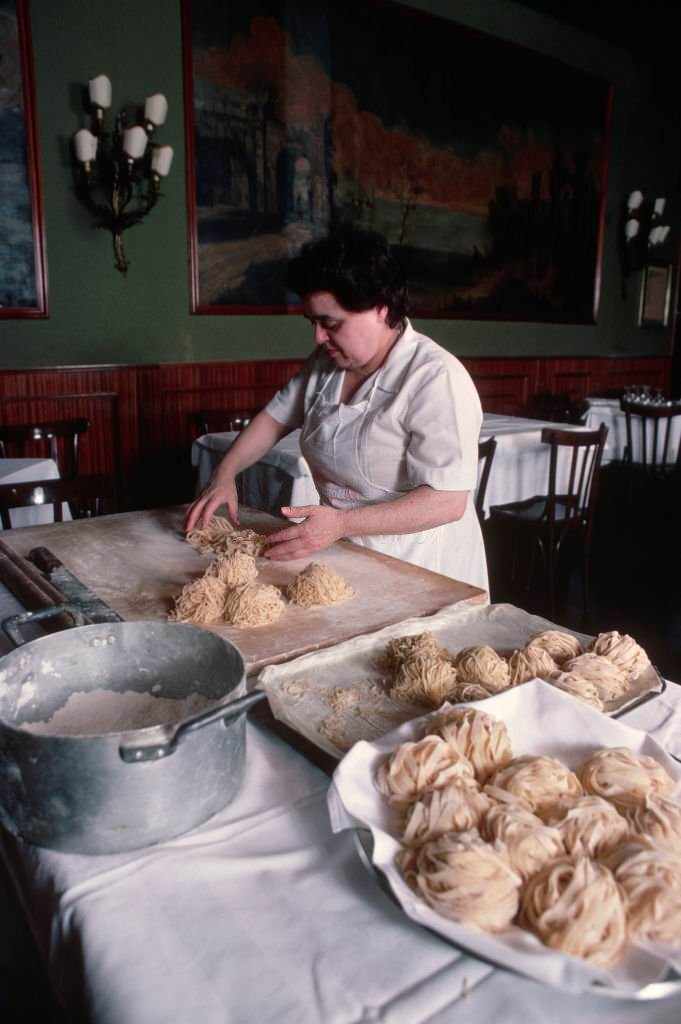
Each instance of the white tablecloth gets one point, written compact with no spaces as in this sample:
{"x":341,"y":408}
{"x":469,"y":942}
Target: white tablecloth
{"x":263,"y":915}
{"x":607,"y":410}
{"x":282,"y":476}
{"x":16,"y":471}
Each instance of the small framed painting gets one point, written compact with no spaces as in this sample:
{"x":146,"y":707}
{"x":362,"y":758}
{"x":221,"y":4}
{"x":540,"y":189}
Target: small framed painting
{"x":655,"y":298}
{"x":23,"y":285}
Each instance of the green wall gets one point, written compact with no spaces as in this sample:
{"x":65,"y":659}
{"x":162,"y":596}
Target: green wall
{"x":97,"y":316}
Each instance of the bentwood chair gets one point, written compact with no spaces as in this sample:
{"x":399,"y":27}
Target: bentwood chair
{"x":653,"y":434}
{"x":215,"y":421}
{"x":57,"y":439}
{"x":86,"y":496}
{"x":486,"y":450}
{"x":565,"y":513}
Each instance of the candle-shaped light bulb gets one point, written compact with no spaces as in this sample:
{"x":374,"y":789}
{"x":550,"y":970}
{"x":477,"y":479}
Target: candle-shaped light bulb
{"x":100,"y":92}
{"x":635,"y":199}
{"x":85,"y":145}
{"x":156,"y":108}
{"x":631,"y":229}
{"x":135,"y":142}
{"x":658,"y":206}
{"x":161,"y":159}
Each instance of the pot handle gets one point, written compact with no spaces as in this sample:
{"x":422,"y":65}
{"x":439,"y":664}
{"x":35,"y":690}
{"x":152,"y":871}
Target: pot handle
{"x":11,"y":625}
{"x":154,"y":750}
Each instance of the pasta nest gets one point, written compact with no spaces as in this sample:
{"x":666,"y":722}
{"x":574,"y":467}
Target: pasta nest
{"x":575,"y":905}
{"x":610,"y":681}
{"x":318,"y":585}
{"x":465,"y":879}
{"x":545,"y":783}
{"x":253,"y":604}
{"x":659,"y":819}
{"x":625,"y":778}
{"x":529,"y":843}
{"x":481,"y":664}
{"x":623,"y":651}
{"x":202,"y":601}
{"x":234,"y":569}
{"x":530,"y":663}
{"x":579,"y":687}
{"x":455,"y":807}
{"x":479,"y":737}
{"x":560,"y":646}
{"x":592,"y":827}
{"x":651,"y":881}
{"x":424,"y":679}
{"x":415,"y":766}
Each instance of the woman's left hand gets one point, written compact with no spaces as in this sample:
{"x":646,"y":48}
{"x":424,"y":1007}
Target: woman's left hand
{"x":322,"y":526}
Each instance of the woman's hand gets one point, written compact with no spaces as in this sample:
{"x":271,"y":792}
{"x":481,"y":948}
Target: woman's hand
{"x":220,"y":490}
{"x":322,"y":527}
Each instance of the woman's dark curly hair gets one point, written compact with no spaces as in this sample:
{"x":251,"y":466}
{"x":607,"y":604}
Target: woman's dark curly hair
{"x":356,"y":267}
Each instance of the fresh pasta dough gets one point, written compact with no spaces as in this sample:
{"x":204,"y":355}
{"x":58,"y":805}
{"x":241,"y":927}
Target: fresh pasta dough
{"x":574,"y":905}
{"x":234,"y":569}
{"x":658,"y":818}
{"x":625,"y":778}
{"x":610,"y":681}
{"x":623,"y":651}
{"x":544,"y":782}
{"x":560,"y":646}
{"x":463,"y":693}
{"x":200,"y":602}
{"x":481,"y":664}
{"x":318,"y":584}
{"x":592,"y":827}
{"x":465,"y":879}
{"x":415,"y":766}
{"x":651,"y":881}
{"x":456,"y":807}
{"x":220,"y":537}
{"x":479,"y":737}
{"x":424,"y":679}
{"x":253,"y":604}
{"x":530,"y":663}
{"x":530,"y":843}
{"x":579,"y":687}
{"x":401,"y":648}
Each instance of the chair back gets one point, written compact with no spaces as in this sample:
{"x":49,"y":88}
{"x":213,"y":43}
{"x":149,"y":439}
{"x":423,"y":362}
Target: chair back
{"x":653,"y":433}
{"x":216,"y":421}
{"x":58,"y":440}
{"x":574,"y":468}
{"x":86,"y":496}
{"x":486,"y":450}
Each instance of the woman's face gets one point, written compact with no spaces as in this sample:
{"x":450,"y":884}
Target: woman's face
{"x":355,"y":341}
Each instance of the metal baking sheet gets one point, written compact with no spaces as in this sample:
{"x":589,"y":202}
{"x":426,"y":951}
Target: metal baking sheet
{"x":337,"y":696}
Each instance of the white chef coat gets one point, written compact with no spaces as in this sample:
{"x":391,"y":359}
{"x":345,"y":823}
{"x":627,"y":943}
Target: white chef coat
{"x":415,"y":421}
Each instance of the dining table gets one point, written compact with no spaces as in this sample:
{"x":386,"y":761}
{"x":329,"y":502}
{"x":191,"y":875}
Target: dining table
{"x":282,"y":476}
{"x":262,"y":913}
{"x":15,"y":471}
{"x":608,"y":411}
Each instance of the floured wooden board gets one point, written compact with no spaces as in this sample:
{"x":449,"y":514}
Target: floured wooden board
{"x":137,"y":562}
{"x":338,"y":696}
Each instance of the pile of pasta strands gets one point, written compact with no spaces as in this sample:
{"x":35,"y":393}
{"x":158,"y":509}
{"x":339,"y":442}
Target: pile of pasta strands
{"x":587,"y":860}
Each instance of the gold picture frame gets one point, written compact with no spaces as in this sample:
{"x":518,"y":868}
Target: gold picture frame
{"x":655,"y":297}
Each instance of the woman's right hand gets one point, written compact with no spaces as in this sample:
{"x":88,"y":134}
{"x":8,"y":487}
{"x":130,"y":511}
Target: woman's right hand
{"x":218,"y":491}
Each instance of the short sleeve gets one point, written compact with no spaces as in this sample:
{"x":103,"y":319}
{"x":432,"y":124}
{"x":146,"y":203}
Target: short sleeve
{"x":444,"y":419}
{"x":287,"y":406}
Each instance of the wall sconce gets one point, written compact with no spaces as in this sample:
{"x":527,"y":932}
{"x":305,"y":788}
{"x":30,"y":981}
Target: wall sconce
{"x":118,"y":175}
{"x":643,"y":231}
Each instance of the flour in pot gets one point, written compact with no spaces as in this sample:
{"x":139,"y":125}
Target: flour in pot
{"x":96,"y":712}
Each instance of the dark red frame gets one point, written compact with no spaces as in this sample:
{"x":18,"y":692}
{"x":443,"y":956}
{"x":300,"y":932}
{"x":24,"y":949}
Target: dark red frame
{"x":33,"y":170}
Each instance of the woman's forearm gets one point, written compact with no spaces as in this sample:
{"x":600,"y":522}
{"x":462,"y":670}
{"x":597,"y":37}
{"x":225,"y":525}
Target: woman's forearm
{"x":252,"y":443}
{"x":420,"y":509}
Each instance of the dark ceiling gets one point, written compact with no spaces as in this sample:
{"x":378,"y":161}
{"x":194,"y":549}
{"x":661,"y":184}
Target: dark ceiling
{"x":647,"y":29}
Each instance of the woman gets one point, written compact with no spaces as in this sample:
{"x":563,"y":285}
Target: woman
{"x":389,"y":422}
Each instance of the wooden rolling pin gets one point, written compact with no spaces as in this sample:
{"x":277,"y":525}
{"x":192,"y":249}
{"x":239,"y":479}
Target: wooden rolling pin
{"x":29,"y":586}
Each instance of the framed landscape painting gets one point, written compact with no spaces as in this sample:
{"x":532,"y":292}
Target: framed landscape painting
{"x":483,"y":163}
{"x":23,"y":287}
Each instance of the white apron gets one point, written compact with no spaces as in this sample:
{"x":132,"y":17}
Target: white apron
{"x":336,"y":440}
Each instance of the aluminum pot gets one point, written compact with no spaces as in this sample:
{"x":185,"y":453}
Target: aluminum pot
{"x":117,"y":791}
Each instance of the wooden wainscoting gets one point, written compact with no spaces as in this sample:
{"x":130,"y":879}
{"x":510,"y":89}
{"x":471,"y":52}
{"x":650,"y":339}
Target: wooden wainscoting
{"x":141,"y":426}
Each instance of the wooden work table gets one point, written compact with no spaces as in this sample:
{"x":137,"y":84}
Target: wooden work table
{"x":137,"y":562}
